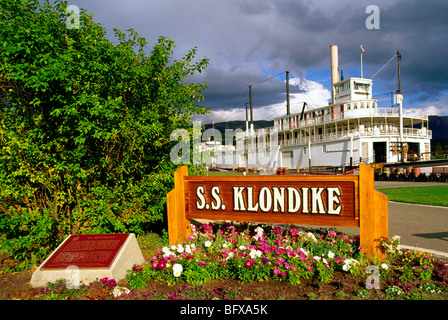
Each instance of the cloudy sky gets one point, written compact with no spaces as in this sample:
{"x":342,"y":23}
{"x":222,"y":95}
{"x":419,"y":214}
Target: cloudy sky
{"x":252,"y":42}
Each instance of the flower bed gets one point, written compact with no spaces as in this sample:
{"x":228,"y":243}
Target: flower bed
{"x":251,"y":252}
{"x":249,"y":261}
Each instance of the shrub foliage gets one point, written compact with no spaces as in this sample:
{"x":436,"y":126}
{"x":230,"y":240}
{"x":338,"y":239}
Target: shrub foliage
{"x":85,"y":126}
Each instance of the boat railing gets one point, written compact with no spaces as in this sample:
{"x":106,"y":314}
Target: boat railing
{"x":349,"y":114}
{"x":407,"y":133}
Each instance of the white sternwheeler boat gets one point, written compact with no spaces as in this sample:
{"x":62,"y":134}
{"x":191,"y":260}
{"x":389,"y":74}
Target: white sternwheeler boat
{"x":349,"y":130}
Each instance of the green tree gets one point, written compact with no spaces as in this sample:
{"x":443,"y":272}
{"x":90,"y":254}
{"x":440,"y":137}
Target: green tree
{"x":85,"y":126}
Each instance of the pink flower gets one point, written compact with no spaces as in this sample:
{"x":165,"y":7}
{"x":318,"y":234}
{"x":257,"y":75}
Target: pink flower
{"x":161,"y":263}
{"x":332,"y":233}
{"x":284,"y":274}
{"x":426,"y":267}
{"x":202,"y":263}
{"x":111,"y":283}
{"x":276,"y":271}
{"x":293,"y":231}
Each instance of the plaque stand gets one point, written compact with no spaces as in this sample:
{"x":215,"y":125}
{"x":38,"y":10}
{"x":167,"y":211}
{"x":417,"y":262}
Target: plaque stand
{"x":87,"y":258}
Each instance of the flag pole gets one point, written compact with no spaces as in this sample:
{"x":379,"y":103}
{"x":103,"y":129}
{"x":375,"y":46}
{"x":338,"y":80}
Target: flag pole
{"x":362,"y":50}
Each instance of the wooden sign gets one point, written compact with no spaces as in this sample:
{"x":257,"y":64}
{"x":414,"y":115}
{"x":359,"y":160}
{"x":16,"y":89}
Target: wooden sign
{"x":324,"y":200}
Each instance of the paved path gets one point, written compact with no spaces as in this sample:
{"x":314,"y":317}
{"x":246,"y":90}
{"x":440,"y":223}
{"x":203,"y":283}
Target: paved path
{"x":419,"y":226}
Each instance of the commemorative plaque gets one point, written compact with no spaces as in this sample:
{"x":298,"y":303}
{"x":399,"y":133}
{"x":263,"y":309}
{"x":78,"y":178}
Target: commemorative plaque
{"x":89,"y":257}
{"x":87,"y":251}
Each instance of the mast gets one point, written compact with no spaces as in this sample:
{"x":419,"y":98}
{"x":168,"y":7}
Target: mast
{"x":399,"y":71}
{"x":288,"y":107}
{"x":400,"y":104}
{"x":247,"y":120}
{"x":251,"y":111}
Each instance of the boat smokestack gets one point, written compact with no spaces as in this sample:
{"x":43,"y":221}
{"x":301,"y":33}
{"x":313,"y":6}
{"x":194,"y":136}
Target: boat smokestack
{"x":334,"y":69}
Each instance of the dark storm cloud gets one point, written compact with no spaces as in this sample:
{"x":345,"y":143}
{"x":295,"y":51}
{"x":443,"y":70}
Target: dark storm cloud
{"x":250,"y":40}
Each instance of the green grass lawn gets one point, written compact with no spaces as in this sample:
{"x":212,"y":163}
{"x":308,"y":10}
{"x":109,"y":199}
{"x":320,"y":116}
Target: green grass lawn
{"x":432,"y":195}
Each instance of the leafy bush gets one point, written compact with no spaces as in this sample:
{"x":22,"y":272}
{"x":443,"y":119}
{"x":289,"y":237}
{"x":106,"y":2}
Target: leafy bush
{"x":85,"y":126}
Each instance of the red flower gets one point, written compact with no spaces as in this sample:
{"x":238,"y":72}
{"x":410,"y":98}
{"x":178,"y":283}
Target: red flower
{"x":137,"y":268}
{"x":249,"y":263}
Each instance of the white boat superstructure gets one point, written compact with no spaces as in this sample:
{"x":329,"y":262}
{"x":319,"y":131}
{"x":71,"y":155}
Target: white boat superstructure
{"x":350,"y":129}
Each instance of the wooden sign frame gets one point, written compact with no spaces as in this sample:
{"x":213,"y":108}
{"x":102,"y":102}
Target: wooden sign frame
{"x":336,"y":200}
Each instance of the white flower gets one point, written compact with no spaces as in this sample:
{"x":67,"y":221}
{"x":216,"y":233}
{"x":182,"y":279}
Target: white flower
{"x":187,"y":249}
{"x":180,"y":248}
{"x":242,"y":247}
{"x":330,"y":255}
{"x":317,"y":258}
{"x":348,"y":263}
{"x":177,"y":270}
{"x":259,"y":232}
{"x":168,"y":253}
{"x":225,"y":244}
{"x":207,"y":244}
{"x":193,"y":247}
{"x":384,"y":266}
{"x":311,"y":235}
{"x":118,"y":291}
{"x":230,"y":255}
{"x":173,"y":247}
{"x":255,"y":253}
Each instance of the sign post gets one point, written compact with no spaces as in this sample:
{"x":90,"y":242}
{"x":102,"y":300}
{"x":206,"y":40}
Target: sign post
{"x":327,"y":200}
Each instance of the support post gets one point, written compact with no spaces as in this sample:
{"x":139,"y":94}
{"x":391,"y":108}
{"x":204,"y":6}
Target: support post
{"x":373,"y":211}
{"x":178,"y":225}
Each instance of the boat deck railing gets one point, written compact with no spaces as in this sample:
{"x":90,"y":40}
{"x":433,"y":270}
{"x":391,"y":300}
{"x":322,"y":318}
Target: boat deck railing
{"x":350,"y":114}
{"x":255,"y":144}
